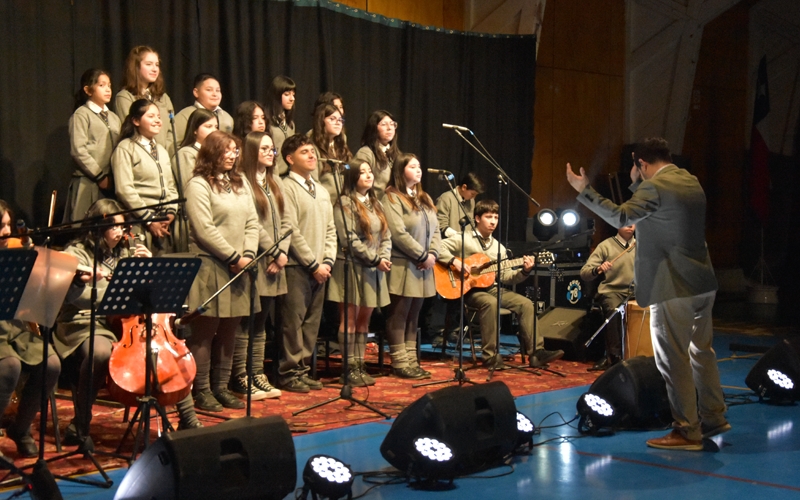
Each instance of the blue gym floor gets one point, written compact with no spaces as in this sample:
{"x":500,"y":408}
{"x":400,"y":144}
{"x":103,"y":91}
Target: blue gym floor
{"x":757,"y":459}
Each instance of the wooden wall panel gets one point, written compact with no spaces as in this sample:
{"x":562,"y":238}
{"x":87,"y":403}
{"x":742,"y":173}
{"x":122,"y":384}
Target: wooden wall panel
{"x":578,"y":116}
{"x":717,"y":130}
{"x":542,"y":173}
{"x":428,"y":12}
{"x":589,"y":36}
{"x":445,"y":13}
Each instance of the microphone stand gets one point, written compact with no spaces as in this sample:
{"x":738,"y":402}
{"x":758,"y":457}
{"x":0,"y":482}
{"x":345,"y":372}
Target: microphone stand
{"x":459,"y":374}
{"x":620,"y":309}
{"x":346,"y":391}
{"x":251,"y":323}
{"x":498,"y":283}
{"x":183,"y":221}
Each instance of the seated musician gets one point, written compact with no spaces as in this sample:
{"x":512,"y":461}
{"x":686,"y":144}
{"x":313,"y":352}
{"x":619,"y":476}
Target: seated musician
{"x":21,"y":351}
{"x":617,"y":275}
{"x":71,"y":339}
{"x":485,"y":300}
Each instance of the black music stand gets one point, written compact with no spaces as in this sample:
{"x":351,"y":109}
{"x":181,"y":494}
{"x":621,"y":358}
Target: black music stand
{"x":15,"y":270}
{"x":148,"y":286}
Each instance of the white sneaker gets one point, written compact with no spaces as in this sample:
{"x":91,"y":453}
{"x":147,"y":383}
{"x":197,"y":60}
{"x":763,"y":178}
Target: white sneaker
{"x":262,"y":382}
{"x":239,"y":388}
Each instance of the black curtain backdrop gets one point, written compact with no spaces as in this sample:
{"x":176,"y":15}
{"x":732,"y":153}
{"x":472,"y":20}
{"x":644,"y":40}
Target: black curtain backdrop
{"x":424,"y":76}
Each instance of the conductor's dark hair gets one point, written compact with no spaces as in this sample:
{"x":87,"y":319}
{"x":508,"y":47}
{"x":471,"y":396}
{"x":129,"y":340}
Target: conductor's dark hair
{"x":652,"y":150}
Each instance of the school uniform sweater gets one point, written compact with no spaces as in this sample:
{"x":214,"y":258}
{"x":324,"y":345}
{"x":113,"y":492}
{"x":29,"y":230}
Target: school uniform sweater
{"x":314,"y":236}
{"x":140,"y":180}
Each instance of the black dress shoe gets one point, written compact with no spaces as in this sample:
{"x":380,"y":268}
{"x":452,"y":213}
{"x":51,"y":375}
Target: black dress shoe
{"x":407,"y":373}
{"x":423,"y":373}
{"x":26,"y":446}
{"x":194,"y":424}
{"x":314,"y":385}
{"x":294,"y":385}
{"x":601,"y":365}
{"x":207,"y":402}
{"x":495,"y":363}
{"x":542,"y":357}
{"x":228,"y":399}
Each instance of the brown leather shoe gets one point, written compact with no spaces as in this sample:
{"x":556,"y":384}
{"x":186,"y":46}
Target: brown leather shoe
{"x":676,"y":441}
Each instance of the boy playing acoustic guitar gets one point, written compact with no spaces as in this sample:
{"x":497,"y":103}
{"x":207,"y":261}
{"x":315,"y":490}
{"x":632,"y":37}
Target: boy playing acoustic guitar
{"x":480,"y":249}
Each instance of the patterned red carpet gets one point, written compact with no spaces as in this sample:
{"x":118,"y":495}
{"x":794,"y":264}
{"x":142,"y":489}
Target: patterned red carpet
{"x":390,"y":395}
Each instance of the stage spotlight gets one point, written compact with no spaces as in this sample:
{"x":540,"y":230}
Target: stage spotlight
{"x":327,"y":477}
{"x":546,"y":217}
{"x":596,"y":413}
{"x":776,"y":375}
{"x":525,"y":430}
{"x":570,"y":218}
{"x":629,"y":395}
{"x":544,"y":225}
{"x":453,"y":432}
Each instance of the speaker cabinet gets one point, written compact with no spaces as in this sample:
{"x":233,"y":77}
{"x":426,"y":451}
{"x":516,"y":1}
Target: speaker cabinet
{"x":636,"y":389}
{"x":245,"y":458}
{"x":567,"y":329}
{"x":477,"y":422}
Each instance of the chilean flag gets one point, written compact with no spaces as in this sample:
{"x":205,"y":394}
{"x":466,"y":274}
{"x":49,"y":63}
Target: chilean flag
{"x":759,"y":152}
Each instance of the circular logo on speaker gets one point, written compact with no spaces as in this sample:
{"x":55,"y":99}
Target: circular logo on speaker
{"x":574,"y":293}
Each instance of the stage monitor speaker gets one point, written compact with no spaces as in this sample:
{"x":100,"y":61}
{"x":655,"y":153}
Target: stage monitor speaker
{"x":566,"y":329}
{"x":244,"y":458}
{"x":477,"y":422}
{"x":637,"y":391}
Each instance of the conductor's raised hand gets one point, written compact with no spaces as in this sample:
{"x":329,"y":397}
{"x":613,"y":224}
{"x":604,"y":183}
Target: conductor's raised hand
{"x":578,"y":182}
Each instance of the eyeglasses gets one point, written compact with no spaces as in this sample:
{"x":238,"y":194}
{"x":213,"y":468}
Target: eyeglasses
{"x":389,"y":124}
{"x":265,"y":150}
{"x":234,"y":153}
{"x":333,"y":119}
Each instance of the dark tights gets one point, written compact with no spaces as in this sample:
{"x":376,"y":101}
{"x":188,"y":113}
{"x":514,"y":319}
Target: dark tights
{"x":102,"y":353}
{"x":212,"y":342}
{"x":29,"y":401}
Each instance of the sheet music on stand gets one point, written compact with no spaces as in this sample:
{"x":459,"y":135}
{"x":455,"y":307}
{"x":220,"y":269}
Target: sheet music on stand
{"x":15,"y":269}
{"x":161,"y":284}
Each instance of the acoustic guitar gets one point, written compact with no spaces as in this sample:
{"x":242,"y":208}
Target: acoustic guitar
{"x":482,"y":270}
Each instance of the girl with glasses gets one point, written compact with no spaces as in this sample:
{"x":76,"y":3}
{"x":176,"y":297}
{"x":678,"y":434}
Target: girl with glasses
{"x":223,"y":229}
{"x":258,"y":168}
{"x":379,"y":147}
{"x":328,"y":139}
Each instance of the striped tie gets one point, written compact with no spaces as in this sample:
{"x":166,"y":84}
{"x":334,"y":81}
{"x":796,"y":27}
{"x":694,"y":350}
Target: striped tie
{"x":311,"y":188}
{"x":104,"y":115}
{"x":153,"y":149}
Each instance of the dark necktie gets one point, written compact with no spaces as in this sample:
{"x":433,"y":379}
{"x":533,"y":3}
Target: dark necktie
{"x":153,"y":149}
{"x":104,"y":115}
{"x":311,"y":188}
{"x":226,"y":183}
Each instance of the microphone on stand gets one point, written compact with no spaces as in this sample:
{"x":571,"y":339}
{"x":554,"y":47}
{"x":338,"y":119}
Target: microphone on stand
{"x":456,"y":127}
{"x":342,"y":165}
{"x":446,"y":173}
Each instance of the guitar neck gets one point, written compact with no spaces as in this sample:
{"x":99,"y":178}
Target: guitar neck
{"x":504,"y":265}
